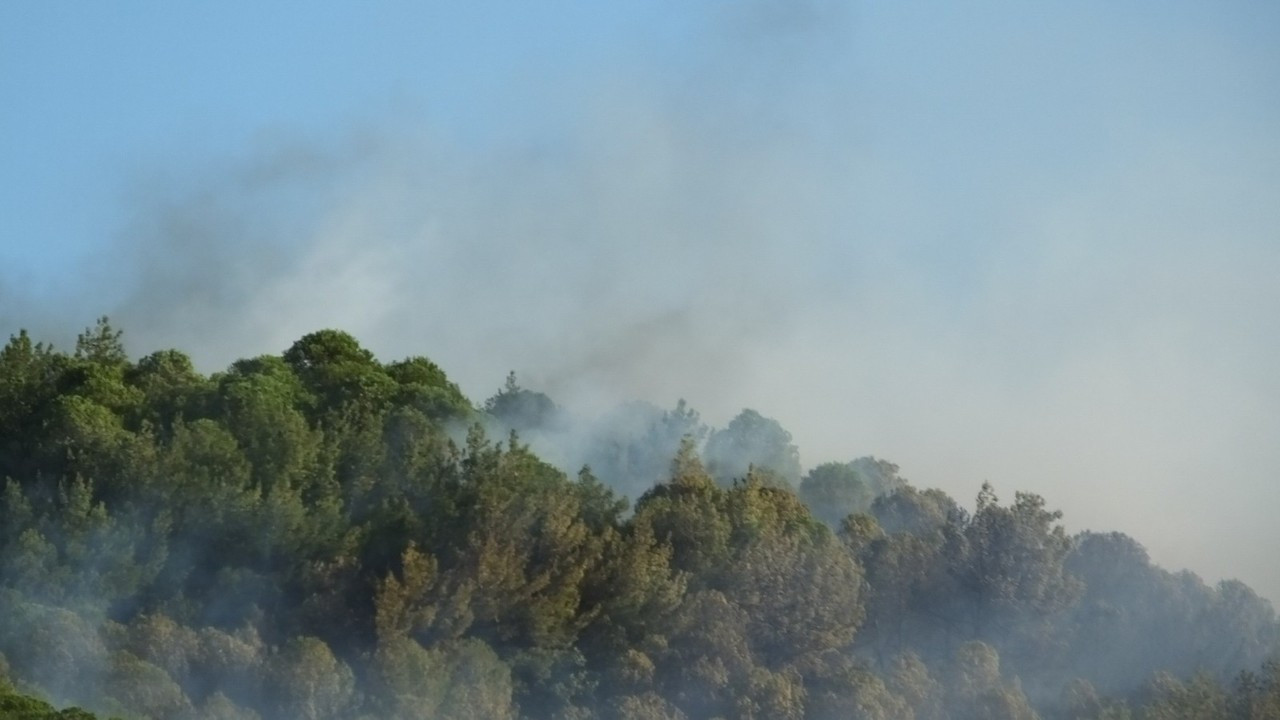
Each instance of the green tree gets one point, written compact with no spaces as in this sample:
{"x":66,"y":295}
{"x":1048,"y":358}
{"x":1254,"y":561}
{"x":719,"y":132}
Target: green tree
{"x":1200,"y":698}
{"x":976,"y":689}
{"x":160,"y":641}
{"x":232,"y":663}
{"x":28,"y":387}
{"x":910,"y":679}
{"x":752,"y":440}
{"x":423,"y":386}
{"x":15,"y":705}
{"x":171,"y":388}
{"x":840,"y":687}
{"x":687,"y":514}
{"x":924,"y":513}
{"x":403,"y":605}
{"x":53,"y":649}
{"x":798,"y":586}
{"x":259,"y":402}
{"x":647,"y":706}
{"x":220,"y":707}
{"x":308,"y":682}
{"x":462,"y":680}
{"x":101,"y":344}
{"x":834,"y":491}
{"x":144,"y":689}
{"x":527,"y":549}
{"x":340,"y":375}
{"x":1256,"y":696}
{"x":523,"y":410}
{"x":1015,"y":573}
{"x":632,"y":594}
{"x":631,"y":448}
{"x":708,"y":663}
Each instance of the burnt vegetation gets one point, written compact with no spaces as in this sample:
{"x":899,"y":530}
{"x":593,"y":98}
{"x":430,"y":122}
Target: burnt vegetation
{"x":319,"y":534}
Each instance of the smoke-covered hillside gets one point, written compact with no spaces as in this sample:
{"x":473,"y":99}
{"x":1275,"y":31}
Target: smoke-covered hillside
{"x":321,"y":534}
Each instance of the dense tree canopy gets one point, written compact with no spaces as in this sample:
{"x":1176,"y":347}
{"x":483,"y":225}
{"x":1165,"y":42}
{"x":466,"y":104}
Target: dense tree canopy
{"x":319,"y":534}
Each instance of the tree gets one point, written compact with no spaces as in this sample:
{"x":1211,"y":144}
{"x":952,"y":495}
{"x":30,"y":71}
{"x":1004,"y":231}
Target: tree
{"x":259,"y":401}
{"x":1256,"y":696}
{"x":101,"y":345}
{"x":28,"y":386}
{"x":834,"y":491}
{"x":144,"y":689}
{"x":171,"y":388}
{"x":425,"y":387}
{"x":308,"y":682}
{"x":631,"y":447}
{"x":462,"y":680}
{"x":402,"y":606}
{"x":709,"y":660}
{"x":14,"y":704}
{"x":799,"y":587}
{"x":801,"y":597}
{"x":52,"y":648}
{"x":752,"y":440}
{"x":340,"y":375}
{"x":880,"y":476}
{"x":232,"y":663}
{"x":631,"y":596}
{"x":909,"y":590}
{"x":647,"y":706}
{"x":522,"y":410}
{"x":1201,"y":698}
{"x":220,"y":707}
{"x":1012,"y":565}
{"x":841,"y":687}
{"x":923,"y":513}
{"x":687,"y":515}
{"x":302,"y":536}
{"x":911,"y":680}
{"x":204,"y":480}
{"x":976,"y":690}
{"x":160,"y":641}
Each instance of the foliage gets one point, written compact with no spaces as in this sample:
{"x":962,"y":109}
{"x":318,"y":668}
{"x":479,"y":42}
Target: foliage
{"x":753,"y":441}
{"x":308,"y":535}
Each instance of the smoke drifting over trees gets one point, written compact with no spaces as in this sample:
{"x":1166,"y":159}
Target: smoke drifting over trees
{"x":1027,"y":245}
{"x":950,"y":295}
{"x":322,"y":534}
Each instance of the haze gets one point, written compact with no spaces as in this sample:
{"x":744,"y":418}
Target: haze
{"x":1000,"y":242}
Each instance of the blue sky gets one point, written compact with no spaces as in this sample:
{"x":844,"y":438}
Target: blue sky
{"x":101,"y":92}
{"x":1028,"y":243}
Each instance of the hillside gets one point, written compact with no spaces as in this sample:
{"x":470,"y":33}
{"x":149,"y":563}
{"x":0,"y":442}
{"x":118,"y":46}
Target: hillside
{"x":321,"y":534}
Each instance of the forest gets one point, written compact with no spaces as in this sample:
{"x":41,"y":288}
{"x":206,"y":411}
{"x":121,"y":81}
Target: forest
{"x":321,"y":534}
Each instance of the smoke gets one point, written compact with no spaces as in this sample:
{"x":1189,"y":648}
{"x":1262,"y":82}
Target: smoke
{"x":892,"y":235}
{"x":648,"y":234}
